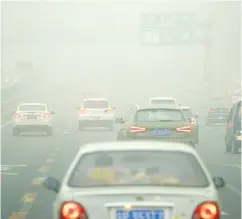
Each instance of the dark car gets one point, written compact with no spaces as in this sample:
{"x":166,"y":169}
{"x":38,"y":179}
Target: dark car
{"x":193,"y":117}
{"x":156,"y":122}
{"x":233,"y":130}
{"x":217,"y":116}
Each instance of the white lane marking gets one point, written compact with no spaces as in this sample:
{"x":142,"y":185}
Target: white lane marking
{"x":6,"y":124}
{"x":11,"y":174}
{"x":17,"y":165}
{"x":235,"y":190}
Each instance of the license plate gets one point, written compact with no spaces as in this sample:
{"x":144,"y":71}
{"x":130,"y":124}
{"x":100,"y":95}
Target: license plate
{"x":161,"y":132}
{"x":137,"y":214}
{"x":238,"y":138}
{"x":32,"y":117}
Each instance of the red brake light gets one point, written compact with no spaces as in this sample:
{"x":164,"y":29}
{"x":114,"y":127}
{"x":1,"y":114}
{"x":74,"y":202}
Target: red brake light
{"x":211,"y":110}
{"x":207,"y":210}
{"x":19,"y":115}
{"x":45,"y":115}
{"x":134,"y":129}
{"x":184,"y":129}
{"x":72,"y":210}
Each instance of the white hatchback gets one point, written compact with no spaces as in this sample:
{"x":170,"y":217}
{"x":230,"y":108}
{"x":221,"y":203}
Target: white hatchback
{"x":96,"y":112}
{"x":32,"y":117}
{"x":132,"y":180}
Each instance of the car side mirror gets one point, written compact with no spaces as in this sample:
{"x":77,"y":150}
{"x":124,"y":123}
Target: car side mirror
{"x":113,"y":108}
{"x":52,"y":184}
{"x":52,"y":112}
{"x":219,"y":182}
{"x":119,"y":120}
{"x":78,"y":108}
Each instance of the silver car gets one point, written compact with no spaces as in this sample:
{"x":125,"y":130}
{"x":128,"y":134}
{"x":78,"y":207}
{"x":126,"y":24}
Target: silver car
{"x":32,"y":117}
{"x":133,"y":180}
{"x":96,"y":112}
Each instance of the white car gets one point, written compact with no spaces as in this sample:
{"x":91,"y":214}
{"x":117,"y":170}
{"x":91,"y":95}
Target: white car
{"x":163,"y":100}
{"x":96,"y":112}
{"x":115,"y":180}
{"x":32,"y":117}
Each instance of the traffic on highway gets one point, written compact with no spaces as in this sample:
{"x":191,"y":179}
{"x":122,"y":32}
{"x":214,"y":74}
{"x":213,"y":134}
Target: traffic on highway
{"x":120,"y":111}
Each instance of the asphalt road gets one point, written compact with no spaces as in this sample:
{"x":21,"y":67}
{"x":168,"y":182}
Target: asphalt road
{"x":27,"y":160}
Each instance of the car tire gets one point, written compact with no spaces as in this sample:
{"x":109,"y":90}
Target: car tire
{"x":15,"y":132}
{"x":49,"y":132}
{"x":235,"y":148}
{"x":228,"y":147}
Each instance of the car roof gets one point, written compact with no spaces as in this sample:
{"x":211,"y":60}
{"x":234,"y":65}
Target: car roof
{"x":160,"y":106}
{"x":95,"y":99}
{"x":137,"y":145}
{"x":162,"y":98}
{"x":24,"y":104}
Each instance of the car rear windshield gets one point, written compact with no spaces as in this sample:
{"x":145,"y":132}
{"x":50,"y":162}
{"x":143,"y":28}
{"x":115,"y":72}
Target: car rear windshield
{"x":156,"y":115}
{"x":187,"y":112}
{"x":162,"y":102}
{"x":96,"y":104}
{"x":34,"y":108}
{"x":140,"y":168}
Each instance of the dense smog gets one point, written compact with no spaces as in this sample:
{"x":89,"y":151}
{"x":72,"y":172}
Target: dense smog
{"x":120,"y":109}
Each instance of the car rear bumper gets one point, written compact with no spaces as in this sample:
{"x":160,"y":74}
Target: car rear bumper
{"x":177,"y":140}
{"x":42,"y":127}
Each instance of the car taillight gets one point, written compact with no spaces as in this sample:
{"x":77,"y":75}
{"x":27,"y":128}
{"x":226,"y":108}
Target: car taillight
{"x":83,"y":111}
{"x":135,"y":129}
{"x":45,"y":115}
{"x":207,"y":210}
{"x":230,"y":125}
{"x":184,"y":129}
{"x":72,"y":210}
{"x":211,"y":110}
{"x":108,"y":111}
{"x":19,"y":115}
{"x":193,"y":122}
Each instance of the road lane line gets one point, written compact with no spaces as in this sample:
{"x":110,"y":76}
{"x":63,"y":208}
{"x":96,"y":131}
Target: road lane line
{"x":6,"y":124}
{"x":38,"y":181}
{"x":49,"y":160}
{"x":28,"y":198}
{"x":44,"y":169}
{"x":17,"y":165}
{"x":11,"y":174}
{"x":235,"y":190}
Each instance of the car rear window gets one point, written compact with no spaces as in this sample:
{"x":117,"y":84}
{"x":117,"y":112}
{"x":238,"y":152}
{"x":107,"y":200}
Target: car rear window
{"x":156,"y":115}
{"x":140,"y":168}
{"x":187,"y":112}
{"x":162,"y":102}
{"x":34,"y":108}
{"x":96,"y":104}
